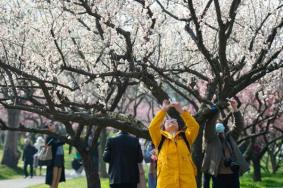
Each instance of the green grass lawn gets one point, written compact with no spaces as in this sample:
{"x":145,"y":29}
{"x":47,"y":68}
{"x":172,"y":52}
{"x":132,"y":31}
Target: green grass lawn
{"x":268,"y":180}
{"x":75,"y":183}
{"x":8,"y":173}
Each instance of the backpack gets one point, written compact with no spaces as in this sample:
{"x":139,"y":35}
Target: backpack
{"x":182,"y":134}
{"x":77,"y":164}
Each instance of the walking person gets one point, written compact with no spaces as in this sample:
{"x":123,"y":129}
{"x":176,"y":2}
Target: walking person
{"x":39,"y":143}
{"x":223,"y":159}
{"x":55,"y":172}
{"x":77,"y":163}
{"x":28,"y":154}
{"x":150,"y":156}
{"x":175,"y":167}
{"x":123,"y":153}
{"x":142,"y":182}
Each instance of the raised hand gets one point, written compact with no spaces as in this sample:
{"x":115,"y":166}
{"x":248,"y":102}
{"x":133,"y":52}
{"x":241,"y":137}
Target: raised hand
{"x":178,"y":107}
{"x":166,"y":105}
{"x":233,"y":104}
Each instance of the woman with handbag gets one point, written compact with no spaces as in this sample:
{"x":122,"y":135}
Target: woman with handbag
{"x":55,"y":172}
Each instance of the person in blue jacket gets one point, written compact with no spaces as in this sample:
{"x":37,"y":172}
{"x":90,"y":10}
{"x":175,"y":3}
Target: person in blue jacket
{"x":150,"y":157}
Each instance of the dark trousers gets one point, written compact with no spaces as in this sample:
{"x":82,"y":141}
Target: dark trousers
{"x":124,"y":185}
{"x":31,"y":168}
{"x":206,"y":180}
{"x":226,"y":180}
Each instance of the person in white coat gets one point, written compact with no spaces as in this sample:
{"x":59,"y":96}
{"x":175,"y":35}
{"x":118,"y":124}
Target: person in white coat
{"x":40,"y":142}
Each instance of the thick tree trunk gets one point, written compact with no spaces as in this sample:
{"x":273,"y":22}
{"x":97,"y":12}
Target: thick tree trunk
{"x":274,"y":164}
{"x":257,"y":170}
{"x":11,"y":155}
{"x":2,"y":137}
{"x":102,"y":164}
{"x":198,"y":156}
{"x":92,"y":176}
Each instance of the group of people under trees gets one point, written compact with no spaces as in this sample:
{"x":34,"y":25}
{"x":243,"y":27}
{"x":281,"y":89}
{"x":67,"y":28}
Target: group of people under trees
{"x":30,"y":155}
{"x":169,"y":153}
{"x":55,"y":171}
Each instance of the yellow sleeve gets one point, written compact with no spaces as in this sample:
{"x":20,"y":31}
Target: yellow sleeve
{"x":154,"y":127}
{"x":192,"y":126}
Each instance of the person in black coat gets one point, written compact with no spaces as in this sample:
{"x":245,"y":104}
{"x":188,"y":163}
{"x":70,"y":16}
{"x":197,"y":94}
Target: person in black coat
{"x":55,"y":172}
{"x":123,"y":153}
{"x":29,"y":151}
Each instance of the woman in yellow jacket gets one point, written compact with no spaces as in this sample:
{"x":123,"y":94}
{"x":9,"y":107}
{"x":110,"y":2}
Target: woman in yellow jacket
{"x":175,"y":167}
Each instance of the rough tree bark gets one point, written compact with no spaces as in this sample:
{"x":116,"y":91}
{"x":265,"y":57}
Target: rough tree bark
{"x":92,"y":176}
{"x":274,"y":164}
{"x":257,"y":169}
{"x":11,"y":155}
{"x":198,"y":156}
{"x":102,"y":164}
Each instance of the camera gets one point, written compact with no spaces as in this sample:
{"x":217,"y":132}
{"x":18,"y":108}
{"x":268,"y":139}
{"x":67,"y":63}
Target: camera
{"x":234,"y":166}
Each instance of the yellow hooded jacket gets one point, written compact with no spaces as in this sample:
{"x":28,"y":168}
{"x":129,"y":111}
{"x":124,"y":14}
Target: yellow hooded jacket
{"x":175,"y":167}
